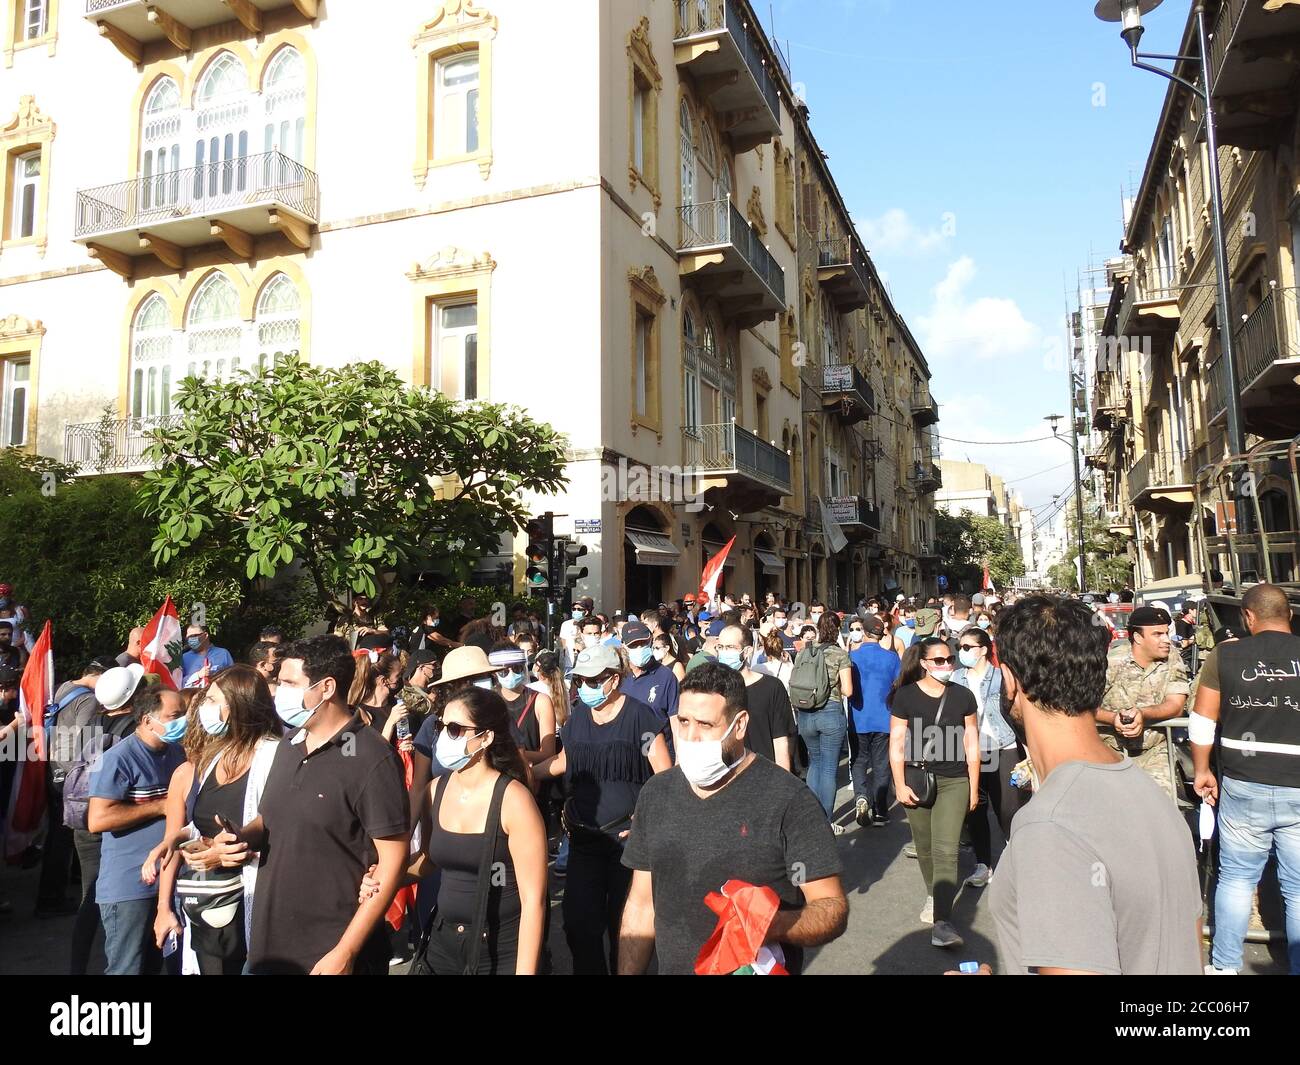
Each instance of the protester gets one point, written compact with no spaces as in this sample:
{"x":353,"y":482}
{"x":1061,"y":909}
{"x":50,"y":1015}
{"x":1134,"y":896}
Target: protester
{"x":334,"y":805}
{"x":132,"y":652}
{"x":875,"y":669}
{"x":610,"y":746}
{"x":999,"y":751}
{"x":647,"y":679}
{"x":1243,"y":684}
{"x":935,"y":734}
{"x":230,"y":745}
{"x":127,"y":797}
{"x":725,"y":814}
{"x":822,"y":726}
{"x":264,"y":656}
{"x":1099,"y":875}
{"x":531,"y":713}
{"x":770,"y":726}
{"x":12,"y":654}
{"x":202,"y":660}
{"x":429,"y":635}
{"x":664,"y":650}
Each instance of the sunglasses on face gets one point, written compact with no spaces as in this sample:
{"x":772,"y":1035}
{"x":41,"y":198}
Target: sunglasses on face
{"x":971,"y":646}
{"x":456,"y":730}
{"x":595,"y":682}
{"x":946,"y":660}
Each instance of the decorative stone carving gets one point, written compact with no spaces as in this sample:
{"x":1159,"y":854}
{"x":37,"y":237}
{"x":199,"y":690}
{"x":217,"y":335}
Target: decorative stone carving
{"x":454,"y":19}
{"x":755,"y":209}
{"x":762,"y":380}
{"x":15,"y":325}
{"x":450,"y":262}
{"x":639,"y":48}
{"x":648,"y":282}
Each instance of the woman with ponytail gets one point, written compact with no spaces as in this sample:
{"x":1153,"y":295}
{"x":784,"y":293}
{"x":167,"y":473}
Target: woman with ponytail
{"x":490,"y":917}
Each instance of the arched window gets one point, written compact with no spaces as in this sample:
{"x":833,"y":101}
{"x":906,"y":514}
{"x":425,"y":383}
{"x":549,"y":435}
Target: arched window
{"x":686,"y":130}
{"x":708,"y":176}
{"x":213,"y":329}
{"x":278,"y":322}
{"x":223,"y":113}
{"x":160,"y":145}
{"x":151,"y":360}
{"x":284,"y":103}
{"x":830,"y":334}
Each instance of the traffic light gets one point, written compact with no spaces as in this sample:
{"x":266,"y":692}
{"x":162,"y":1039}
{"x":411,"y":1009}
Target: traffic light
{"x":573,"y":573}
{"x":541,"y":547}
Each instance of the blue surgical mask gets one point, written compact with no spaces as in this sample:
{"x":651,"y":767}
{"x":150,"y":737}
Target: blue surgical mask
{"x":984,"y":623}
{"x":173,"y":730}
{"x":593,"y":697}
{"x":511,"y":680}
{"x":969,"y":659}
{"x":435,"y":623}
{"x":731,"y":658}
{"x":193,"y":642}
{"x":640,"y":656}
{"x":578,"y":614}
{"x":910,"y":623}
{"x":288,"y":704}
{"x":210,"y":718}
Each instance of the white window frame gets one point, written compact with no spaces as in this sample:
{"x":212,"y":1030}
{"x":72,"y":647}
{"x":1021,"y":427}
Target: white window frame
{"x":640,"y":98}
{"x":644,"y":335}
{"x":35,"y":12}
{"x":453,"y":141}
{"x":24,"y":185}
{"x":10,"y":388}
{"x":686,"y":148}
{"x":441,"y":335}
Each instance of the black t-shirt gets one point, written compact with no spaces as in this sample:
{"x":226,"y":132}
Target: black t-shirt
{"x":765,"y":828}
{"x":605,"y":764}
{"x":1259,"y":707}
{"x":770,"y":716}
{"x":322,"y":811}
{"x":941,"y":748}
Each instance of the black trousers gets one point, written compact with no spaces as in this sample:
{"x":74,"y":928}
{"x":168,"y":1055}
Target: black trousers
{"x":450,"y":945}
{"x":219,"y":951}
{"x":56,"y":861}
{"x":87,"y":923}
{"x":595,"y":891}
{"x":869,"y":769}
{"x":996,"y":793}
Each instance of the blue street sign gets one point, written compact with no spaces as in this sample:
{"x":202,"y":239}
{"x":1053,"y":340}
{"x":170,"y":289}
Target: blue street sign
{"x":943,"y":582}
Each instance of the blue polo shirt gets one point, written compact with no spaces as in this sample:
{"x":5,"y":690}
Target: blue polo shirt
{"x":656,"y":687}
{"x":217,"y":658}
{"x":874,"y":670}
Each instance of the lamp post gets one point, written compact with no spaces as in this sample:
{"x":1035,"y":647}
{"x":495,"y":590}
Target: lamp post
{"x":1055,"y":420}
{"x":1129,"y":14}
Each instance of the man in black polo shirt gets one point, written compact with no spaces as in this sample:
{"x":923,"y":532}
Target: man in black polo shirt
{"x":334,"y":804}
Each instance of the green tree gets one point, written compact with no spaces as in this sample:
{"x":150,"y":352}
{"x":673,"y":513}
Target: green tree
{"x":967,"y":541}
{"x":346,"y":471}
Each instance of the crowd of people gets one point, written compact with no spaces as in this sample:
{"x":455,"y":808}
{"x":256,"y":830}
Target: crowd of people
{"x":385,"y":792}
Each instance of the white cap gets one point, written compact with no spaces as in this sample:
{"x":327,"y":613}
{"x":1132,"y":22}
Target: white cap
{"x":114,"y":689}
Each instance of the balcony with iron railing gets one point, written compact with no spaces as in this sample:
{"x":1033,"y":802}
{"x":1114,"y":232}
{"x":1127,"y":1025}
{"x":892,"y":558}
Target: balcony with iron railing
{"x":1150,"y":304}
{"x":1267,"y":345}
{"x":733,"y":454}
{"x":232,"y":201}
{"x":846,"y":391}
{"x":842,"y":271}
{"x":113,"y":445}
{"x":1252,"y":64}
{"x":857,"y":516}
{"x":924,"y":474}
{"x":925,"y":411}
{"x":715,"y":239}
{"x":727,"y":55}
{"x":131,"y":25}
{"x":1160,"y":482}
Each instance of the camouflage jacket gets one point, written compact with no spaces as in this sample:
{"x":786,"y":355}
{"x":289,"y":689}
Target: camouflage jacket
{"x":1129,"y":686}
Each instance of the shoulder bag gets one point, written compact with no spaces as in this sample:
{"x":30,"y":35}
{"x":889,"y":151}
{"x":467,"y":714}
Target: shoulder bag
{"x":919,"y":776}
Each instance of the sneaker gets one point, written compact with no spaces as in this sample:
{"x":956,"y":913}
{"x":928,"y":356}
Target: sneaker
{"x":1210,"y":970}
{"x":944,"y":935}
{"x":837,"y":828}
{"x":909,"y":849}
{"x":980,"y":878}
{"x":927,"y":911}
{"x":862,"y":812}
{"x":880,"y":821}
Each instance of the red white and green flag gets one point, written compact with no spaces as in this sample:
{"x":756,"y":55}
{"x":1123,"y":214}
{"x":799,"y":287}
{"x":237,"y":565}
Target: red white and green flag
{"x":162,"y":646}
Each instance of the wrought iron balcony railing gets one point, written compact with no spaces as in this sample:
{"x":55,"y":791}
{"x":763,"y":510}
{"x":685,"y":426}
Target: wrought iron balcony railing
{"x":854,"y":510}
{"x":851,"y":384}
{"x":924,"y":409}
{"x":696,"y":17}
{"x":719,"y":222}
{"x":113,"y":445}
{"x":229,"y":184}
{"x":1157,"y":469}
{"x":731,"y":449}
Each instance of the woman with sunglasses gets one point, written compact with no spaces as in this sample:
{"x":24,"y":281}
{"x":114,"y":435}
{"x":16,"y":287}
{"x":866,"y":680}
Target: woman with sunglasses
{"x":935,"y":723}
{"x":999,"y":751}
{"x":532,"y":716}
{"x":610,"y":746}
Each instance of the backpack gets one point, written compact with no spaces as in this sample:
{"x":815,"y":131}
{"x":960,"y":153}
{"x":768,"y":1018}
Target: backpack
{"x":76,"y":785}
{"x":810,"y":686}
{"x":52,"y":711}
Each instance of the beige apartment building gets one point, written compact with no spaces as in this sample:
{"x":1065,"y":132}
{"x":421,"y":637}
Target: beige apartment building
{"x":1158,"y":394}
{"x":641,"y":244}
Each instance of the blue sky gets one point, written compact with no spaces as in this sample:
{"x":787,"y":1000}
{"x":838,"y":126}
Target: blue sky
{"x":983,"y":149}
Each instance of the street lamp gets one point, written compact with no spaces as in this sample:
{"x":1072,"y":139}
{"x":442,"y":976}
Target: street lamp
{"x":1129,"y":14}
{"x":1055,"y":420}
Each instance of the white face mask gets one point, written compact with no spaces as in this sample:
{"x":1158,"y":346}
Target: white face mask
{"x":210,"y":719}
{"x":702,"y":762}
{"x":452,"y":753}
{"x":289,"y":704}
{"x":941,"y":675}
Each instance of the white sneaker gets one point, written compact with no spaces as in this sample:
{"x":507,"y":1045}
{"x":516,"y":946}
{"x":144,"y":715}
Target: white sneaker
{"x":927,"y":911}
{"x":980,"y":878}
{"x":1210,"y":970}
{"x":944,"y":935}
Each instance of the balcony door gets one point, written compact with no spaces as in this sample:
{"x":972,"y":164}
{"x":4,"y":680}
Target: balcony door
{"x":160,"y":149}
{"x":223,"y":114}
{"x":686,"y":132}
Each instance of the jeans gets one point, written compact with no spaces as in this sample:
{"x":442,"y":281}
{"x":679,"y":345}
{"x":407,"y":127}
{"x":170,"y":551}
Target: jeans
{"x":1253,"y":818}
{"x":870,"y":769}
{"x":822,"y":732}
{"x":594,"y":893}
{"x":936,"y":833}
{"x":128,"y":938}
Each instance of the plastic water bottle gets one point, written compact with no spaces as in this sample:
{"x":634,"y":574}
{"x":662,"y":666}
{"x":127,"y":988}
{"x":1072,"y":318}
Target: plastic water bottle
{"x":403,"y":726}
{"x":969,"y":968}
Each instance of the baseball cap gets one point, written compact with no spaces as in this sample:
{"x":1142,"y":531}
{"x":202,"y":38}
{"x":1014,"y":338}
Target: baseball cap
{"x":1149,"y":615}
{"x":634,"y":631}
{"x":927,"y":621}
{"x":689,"y":597}
{"x":1228,"y":633}
{"x":102,"y":664}
{"x":114,"y":689}
{"x":873,"y":626}
{"x":716,"y":627}
{"x":977,"y":599}
{"x":420,"y":658}
{"x":596,"y":660}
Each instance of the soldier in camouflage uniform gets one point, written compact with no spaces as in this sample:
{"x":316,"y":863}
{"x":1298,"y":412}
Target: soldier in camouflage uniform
{"x":1147,"y":683}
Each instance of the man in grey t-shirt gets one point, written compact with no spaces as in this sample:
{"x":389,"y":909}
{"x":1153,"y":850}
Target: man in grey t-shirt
{"x":1100,"y":874}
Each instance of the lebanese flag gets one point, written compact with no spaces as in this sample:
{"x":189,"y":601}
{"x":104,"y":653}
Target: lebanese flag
{"x":27,"y":798}
{"x":987,"y":582}
{"x":736,"y":947}
{"x":713,"y":573}
{"x":161,"y":646}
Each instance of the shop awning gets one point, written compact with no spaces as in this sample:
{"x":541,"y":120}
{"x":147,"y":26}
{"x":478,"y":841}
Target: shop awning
{"x":653,"y":549}
{"x":773,"y":565}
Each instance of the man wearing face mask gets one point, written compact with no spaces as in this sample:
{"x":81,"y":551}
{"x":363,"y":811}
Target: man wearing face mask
{"x":265,"y":658}
{"x":201,"y":660}
{"x":128,"y":790}
{"x":334,"y":804}
{"x":611,"y":745}
{"x":721,"y":814}
{"x":648,"y":680}
{"x":770,"y":724}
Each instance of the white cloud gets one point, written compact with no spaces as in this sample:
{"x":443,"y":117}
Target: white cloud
{"x":894,"y":233}
{"x":985,"y":327}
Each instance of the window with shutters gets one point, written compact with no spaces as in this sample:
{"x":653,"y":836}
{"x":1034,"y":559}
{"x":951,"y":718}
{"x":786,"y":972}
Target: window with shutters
{"x":647,"y":301}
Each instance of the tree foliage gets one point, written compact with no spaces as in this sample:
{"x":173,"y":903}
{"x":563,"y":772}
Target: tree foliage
{"x":346,"y":471}
{"x":966,"y":541}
